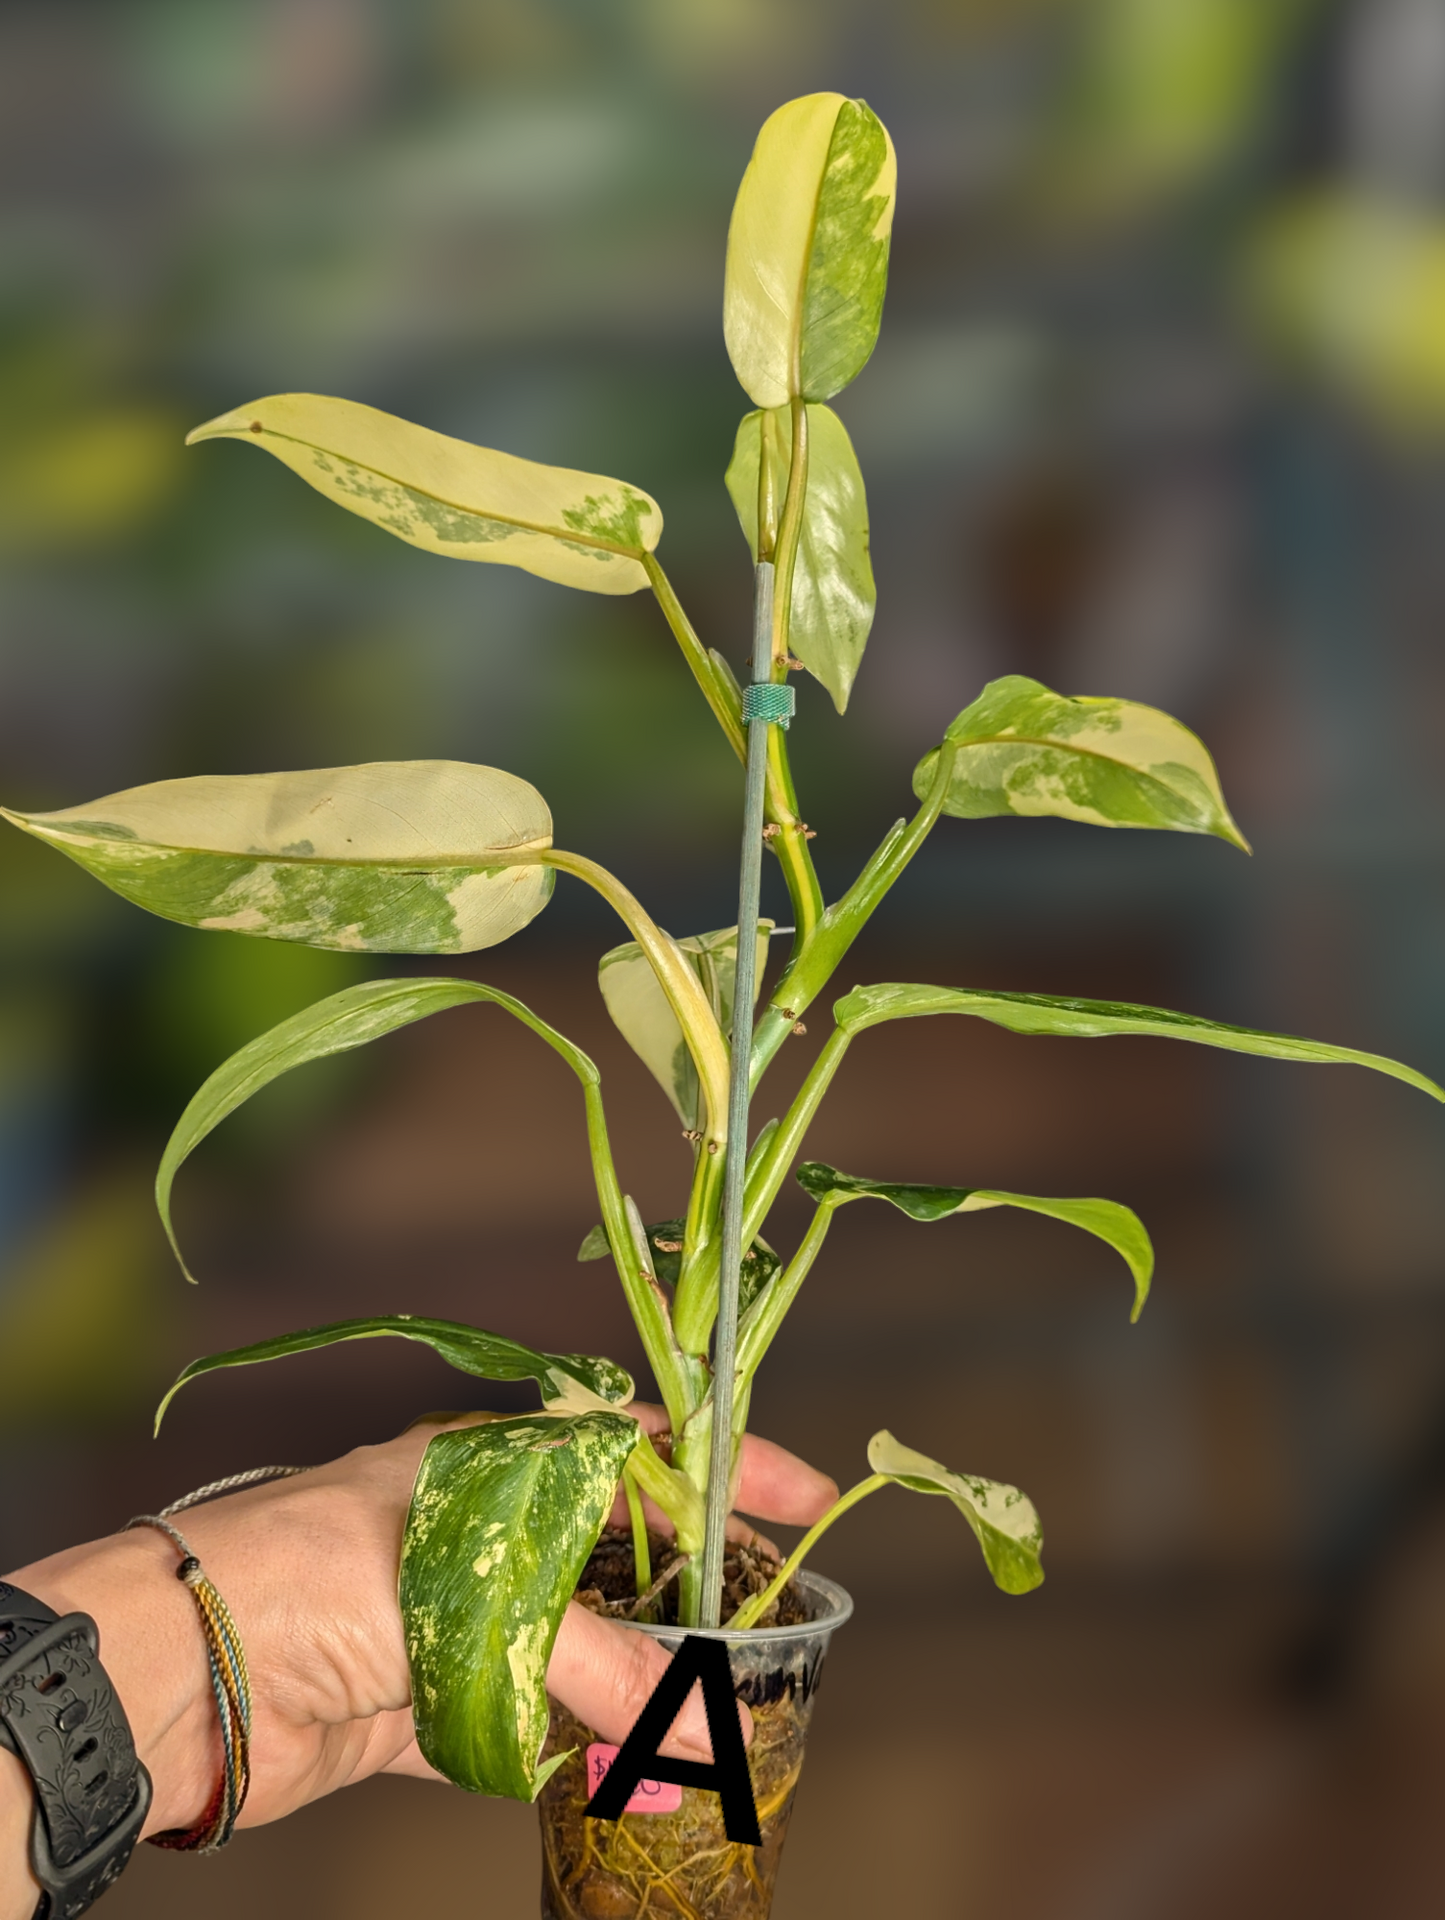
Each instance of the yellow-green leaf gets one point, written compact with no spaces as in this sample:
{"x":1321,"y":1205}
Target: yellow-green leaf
{"x":646,"y":1021}
{"x":1002,"y":1518}
{"x":450,"y":497}
{"x":807,"y":260}
{"x":1111,"y":763}
{"x":833,"y":592}
{"x":503,"y":1517}
{"x":1046,"y":1013}
{"x":405,"y":856}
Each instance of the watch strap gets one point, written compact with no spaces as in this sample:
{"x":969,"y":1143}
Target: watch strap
{"x":60,"y":1715}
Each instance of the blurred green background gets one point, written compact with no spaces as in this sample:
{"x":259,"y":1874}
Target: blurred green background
{"x":1157,"y":412}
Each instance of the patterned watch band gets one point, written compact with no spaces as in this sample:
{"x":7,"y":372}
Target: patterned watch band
{"x":60,"y":1715}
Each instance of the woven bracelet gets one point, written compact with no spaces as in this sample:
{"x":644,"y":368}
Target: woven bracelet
{"x":230,"y":1681}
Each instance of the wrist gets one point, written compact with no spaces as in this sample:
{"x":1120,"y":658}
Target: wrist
{"x":153,"y":1655}
{"x":19,"y":1890}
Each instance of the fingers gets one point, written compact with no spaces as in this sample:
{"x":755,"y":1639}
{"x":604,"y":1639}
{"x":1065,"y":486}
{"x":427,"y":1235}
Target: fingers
{"x":777,"y":1485}
{"x":605,"y":1674}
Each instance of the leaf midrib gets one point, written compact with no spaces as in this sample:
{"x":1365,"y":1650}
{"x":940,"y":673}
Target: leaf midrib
{"x":455,"y":506}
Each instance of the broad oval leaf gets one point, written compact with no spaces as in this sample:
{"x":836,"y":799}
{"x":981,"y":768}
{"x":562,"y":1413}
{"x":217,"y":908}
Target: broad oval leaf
{"x":833,"y":592}
{"x":807,"y":260}
{"x":644,"y":1017}
{"x":503,"y":1517}
{"x":1118,"y":1226}
{"x":1096,"y":1019}
{"x":342,"y":1021}
{"x":567,"y":1380}
{"x":1002,"y":1518}
{"x":399,"y":856}
{"x":450,"y":497}
{"x":1110,"y":763}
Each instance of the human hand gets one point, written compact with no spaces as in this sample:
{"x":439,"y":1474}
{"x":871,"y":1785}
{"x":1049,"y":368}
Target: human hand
{"x":308,"y":1567}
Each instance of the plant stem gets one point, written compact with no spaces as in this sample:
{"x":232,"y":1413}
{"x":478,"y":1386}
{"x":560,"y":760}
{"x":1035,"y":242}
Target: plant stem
{"x":765,"y":1315}
{"x":641,"y":1557}
{"x":684,"y":990}
{"x":739,"y":1092}
{"x":814,"y":966}
{"x":760,"y":1602}
{"x":717,"y":689}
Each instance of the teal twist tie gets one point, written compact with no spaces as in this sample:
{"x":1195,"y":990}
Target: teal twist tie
{"x":764,"y":701}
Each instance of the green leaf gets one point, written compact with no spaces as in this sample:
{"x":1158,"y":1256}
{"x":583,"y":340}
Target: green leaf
{"x":1096,"y":1019}
{"x":1117,"y":1225}
{"x":833,"y":592}
{"x":1110,"y":763}
{"x":447,"y":496}
{"x":399,"y":856}
{"x":503,"y":1517}
{"x":643,"y":1016}
{"x":807,"y":260}
{"x":1002,"y":1518}
{"x":342,"y":1021}
{"x":567,"y":1380}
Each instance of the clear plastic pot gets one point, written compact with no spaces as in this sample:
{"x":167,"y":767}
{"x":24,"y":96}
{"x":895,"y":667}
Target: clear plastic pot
{"x":649,"y":1865}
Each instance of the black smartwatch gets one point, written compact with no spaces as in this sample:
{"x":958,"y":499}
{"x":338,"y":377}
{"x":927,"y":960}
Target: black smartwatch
{"x":60,"y":1716}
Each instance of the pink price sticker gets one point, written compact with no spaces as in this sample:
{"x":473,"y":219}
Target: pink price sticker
{"x":648,"y":1796}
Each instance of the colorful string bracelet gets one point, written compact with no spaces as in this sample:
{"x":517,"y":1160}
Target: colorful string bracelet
{"x":229,"y":1679}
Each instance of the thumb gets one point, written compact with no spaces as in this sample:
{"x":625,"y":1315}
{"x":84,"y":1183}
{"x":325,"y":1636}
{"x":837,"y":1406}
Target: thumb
{"x":605,"y":1673}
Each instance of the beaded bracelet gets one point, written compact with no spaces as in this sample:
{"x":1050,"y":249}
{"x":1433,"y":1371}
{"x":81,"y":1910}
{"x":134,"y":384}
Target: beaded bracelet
{"x":230,"y":1680}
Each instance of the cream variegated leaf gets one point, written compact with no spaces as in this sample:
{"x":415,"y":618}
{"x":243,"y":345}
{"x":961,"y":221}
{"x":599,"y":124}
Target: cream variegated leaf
{"x":1117,"y":1226}
{"x":404,"y":856}
{"x":450,"y":497}
{"x":1002,"y":1518}
{"x":807,"y":260}
{"x":503,"y":1517}
{"x":1022,"y":749}
{"x":834,"y":597}
{"x":643,"y":1016}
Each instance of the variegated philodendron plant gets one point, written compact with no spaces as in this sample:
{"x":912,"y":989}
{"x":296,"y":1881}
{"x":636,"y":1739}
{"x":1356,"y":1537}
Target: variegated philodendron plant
{"x":436,"y":857}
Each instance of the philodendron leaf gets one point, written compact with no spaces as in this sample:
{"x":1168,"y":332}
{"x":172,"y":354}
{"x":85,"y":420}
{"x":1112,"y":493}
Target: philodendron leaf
{"x":833,"y":592}
{"x":1117,"y":1225}
{"x":503,"y":1517}
{"x":342,"y":1021}
{"x":1096,"y":1019}
{"x":1110,"y":763}
{"x":450,"y":497}
{"x":1003,"y":1519}
{"x":399,"y":856}
{"x":642,"y":1014}
{"x":664,"y":1241}
{"x":567,"y":1380}
{"x":807,"y":260}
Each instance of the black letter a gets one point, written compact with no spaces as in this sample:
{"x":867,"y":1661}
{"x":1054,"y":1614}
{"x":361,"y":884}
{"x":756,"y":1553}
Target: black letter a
{"x":638,"y":1758}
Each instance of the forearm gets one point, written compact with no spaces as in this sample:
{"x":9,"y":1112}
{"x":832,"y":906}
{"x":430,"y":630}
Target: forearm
{"x":152,"y":1651}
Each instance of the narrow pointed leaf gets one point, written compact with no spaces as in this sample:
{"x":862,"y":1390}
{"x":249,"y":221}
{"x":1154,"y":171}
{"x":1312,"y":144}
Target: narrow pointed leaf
{"x":1002,"y":1518}
{"x":567,"y":1379}
{"x":833,"y":592}
{"x":399,"y":856}
{"x":342,"y":1021}
{"x":1118,"y":1226}
{"x":643,"y":1016}
{"x":1110,"y":763}
{"x":1096,"y":1019}
{"x":450,"y":497}
{"x":807,"y":260}
{"x":503,"y":1517}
